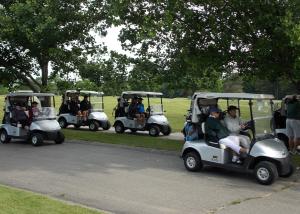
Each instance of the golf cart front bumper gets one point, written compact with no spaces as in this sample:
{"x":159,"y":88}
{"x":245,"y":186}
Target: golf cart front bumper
{"x":51,"y":135}
{"x":284,"y":165}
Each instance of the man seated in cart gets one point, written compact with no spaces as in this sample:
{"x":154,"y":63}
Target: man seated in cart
{"x":85,"y":107}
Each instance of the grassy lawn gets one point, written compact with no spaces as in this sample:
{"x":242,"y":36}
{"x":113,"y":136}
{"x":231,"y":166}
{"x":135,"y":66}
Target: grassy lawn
{"x":14,"y":201}
{"x":134,"y":140}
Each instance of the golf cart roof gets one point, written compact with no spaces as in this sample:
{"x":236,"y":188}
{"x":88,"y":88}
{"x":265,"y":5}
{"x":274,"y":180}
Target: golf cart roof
{"x":141,"y":93}
{"x":291,"y":96}
{"x":242,"y":96}
{"x":83,"y":92}
{"x":29,"y":94}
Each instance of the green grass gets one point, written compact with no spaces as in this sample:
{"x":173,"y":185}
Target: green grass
{"x":124,"y":139}
{"x":296,"y":159}
{"x":14,"y":201}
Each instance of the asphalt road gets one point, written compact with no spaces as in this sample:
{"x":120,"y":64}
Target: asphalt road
{"x":128,"y":180}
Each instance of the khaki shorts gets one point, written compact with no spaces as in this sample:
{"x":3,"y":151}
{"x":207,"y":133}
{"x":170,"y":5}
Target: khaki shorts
{"x":293,"y":128}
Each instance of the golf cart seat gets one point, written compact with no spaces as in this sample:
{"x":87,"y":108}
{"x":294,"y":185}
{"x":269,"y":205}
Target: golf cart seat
{"x":211,"y":143}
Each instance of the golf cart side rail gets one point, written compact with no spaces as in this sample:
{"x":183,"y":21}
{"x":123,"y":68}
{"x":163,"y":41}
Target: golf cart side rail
{"x":242,"y":96}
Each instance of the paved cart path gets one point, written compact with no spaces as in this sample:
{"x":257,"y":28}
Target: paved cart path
{"x":128,"y":180}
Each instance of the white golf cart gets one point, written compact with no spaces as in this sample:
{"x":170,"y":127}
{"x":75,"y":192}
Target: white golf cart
{"x":280,"y":120}
{"x":155,"y":120}
{"x":268,"y":157}
{"x":36,"y":123}
{"x":96,"y":116}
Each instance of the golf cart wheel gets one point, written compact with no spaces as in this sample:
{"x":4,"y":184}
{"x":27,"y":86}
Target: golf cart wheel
{"x":106,"y":126}
{"x":60,"y":138}
{"x":76,"y":126}
{"x":192,"y":161}
{"x":266,"y":172}
{"x":94,"y":125}
{"x":62,"y":122}
{"x":166,"y":130}
{"x":154,"y":131}
{"x":290,"y":173}
{"x":119,"y":128}
{"x":4,"y":138}
{"x":133,"y":130}
{"x":36,"y":139}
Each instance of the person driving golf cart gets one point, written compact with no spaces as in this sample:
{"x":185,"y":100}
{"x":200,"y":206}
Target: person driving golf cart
{"x":217,"y":132}
{"x":85,"y":107}
{"x":236,"y":127}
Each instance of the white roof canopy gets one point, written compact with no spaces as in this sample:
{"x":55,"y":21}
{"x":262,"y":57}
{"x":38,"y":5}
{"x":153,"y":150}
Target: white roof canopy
{"x":30,"y":94}
{"x":83,"y":92}
{"x":242,"y":96}
{"x":141,"y":93}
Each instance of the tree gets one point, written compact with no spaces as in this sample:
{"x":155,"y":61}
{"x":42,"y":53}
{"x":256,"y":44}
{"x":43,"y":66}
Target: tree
{"x":189,"y":38}
{"x":47,"y":31}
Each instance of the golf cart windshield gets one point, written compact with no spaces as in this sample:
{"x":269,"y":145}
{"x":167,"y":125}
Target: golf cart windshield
{"x":44,"y":109}
{"x":97,"y":103}
{"x":156,"y":109}
{"x":262,"y":116}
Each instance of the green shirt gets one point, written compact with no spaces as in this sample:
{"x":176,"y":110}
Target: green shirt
{"x":293,"y":110}
{"x":215,"y":130}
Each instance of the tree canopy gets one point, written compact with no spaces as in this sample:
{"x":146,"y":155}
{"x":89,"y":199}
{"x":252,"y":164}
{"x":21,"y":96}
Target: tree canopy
{"x":39,"y":32}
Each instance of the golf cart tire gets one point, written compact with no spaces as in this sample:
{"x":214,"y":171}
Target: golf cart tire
{"x":60,"y":138}
{"x":62,"y":123}
{"x":290,"y":173}
{"x":4,"y":136}
{"x":76,"y":126}
{"x":133,"y":130}
{"x":166,"y":130}
{"x":36,"y":139}
{"x":106,"y":125}
{"x":94,"y":125}
{"x":154,"y":130}
{"x":271,"y":170}
{"x":192,"y":161}
{"x":119,"y":128}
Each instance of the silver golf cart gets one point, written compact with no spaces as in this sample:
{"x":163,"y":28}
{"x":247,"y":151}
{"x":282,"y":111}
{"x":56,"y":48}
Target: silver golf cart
{"x":279,"y":118}
{"x":96,"y":116}
{"x":155,"y":120}
{"x":268,"y":157}
{"x":35,"y":123}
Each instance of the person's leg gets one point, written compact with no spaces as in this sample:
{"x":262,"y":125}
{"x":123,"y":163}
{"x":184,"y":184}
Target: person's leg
{"x":290,"y":134}
{"x":234,"y":146}
{"x":296,"y":127}
{"x":244,"y":141}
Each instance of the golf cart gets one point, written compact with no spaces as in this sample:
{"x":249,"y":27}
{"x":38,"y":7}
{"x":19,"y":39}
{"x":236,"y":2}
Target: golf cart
{"x":30,"y":116}
{"x":155,"y":120}
{"x":279,"y":118}
{"x":95,"y":117}
{"x":268,"y":157}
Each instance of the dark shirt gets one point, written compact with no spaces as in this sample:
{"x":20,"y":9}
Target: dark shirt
{"x":74,"y":108}
{"x":215,"y":130}
{"x":293,"y":110}
{"x":85,"y":105}
{"x":132,"y":110}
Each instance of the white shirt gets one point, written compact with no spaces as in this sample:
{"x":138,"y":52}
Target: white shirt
{"x":233,"y":124}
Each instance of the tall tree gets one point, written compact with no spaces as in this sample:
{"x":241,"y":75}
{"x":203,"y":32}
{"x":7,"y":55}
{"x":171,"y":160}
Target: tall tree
{"x":48,"y":31}
{"x":188,"y":38}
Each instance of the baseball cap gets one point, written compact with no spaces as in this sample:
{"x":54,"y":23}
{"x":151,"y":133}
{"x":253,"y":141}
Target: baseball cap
{"x":232,"y":108}
{"x":214,"y":109}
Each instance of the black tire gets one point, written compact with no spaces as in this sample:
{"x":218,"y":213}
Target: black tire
{"x":76,"y":126}
{"x":192,"y":161}
{"x":119,"y":128}
{"x":60,"y":138}
{"x":290,"y":173}
{"x":62,"y":122}
{"x":133,"y":130}
{"x":4,"y":138}
{"x":36,"y":139}
{"x":265,"y":172}
{"x":166,"y":130}
{"x":106,"y":125}
{"x":154,"y":130}
{"x":94,"y":125}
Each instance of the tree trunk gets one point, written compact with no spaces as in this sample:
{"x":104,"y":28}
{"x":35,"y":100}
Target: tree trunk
{"x":45,"y":73}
